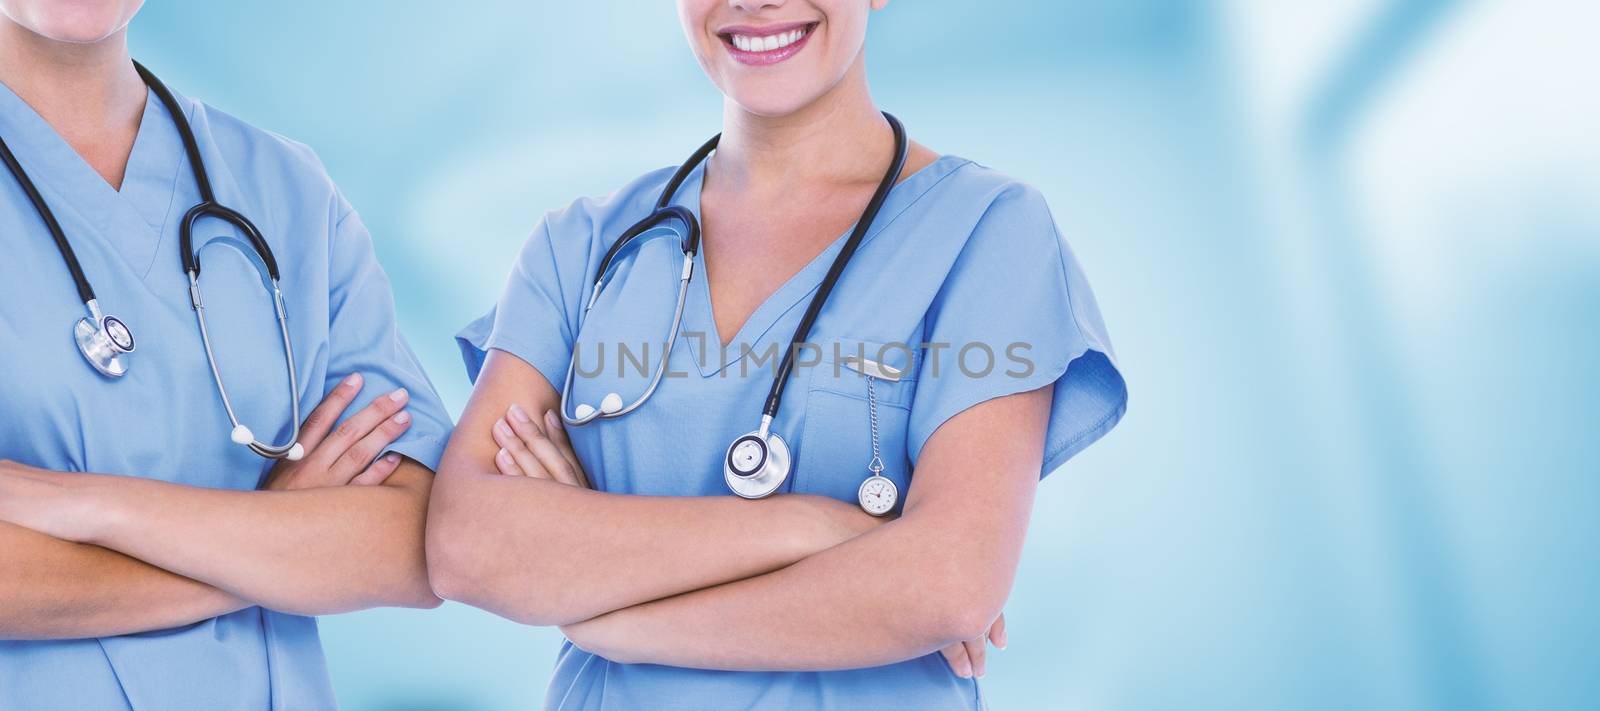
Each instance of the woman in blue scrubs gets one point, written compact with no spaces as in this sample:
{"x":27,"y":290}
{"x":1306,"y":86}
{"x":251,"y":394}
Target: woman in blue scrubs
{"x":149,"y":561}
{"x":960,"y":354}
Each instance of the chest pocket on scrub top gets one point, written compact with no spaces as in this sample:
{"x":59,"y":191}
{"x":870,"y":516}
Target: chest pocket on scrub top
{"x":836,"y":447}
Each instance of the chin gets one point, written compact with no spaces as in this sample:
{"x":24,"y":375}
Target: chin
{"x":773,"y":101}
{"x":72,"y":21}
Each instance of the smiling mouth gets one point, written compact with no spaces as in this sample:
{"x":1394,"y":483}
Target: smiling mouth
{"x":767,"y":45}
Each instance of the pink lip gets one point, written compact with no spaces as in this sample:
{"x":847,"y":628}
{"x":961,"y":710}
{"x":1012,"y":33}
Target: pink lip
{"x":765,"y":58}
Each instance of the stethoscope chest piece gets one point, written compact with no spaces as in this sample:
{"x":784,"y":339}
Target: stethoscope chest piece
{"x":104,"y":340}
{"x":756,"y":465}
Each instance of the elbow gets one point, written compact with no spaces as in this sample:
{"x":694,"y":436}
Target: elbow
{"x":459,"y":574}
{"x":462,"y":568}
{"x":452,"y":571}
{"x":957,"y":608}
{"x":426,"y":601}
{"x":960,"y":621}
{"x":448,"y":580}
{"x":417,"y":593}
{"x":451,"y":551}
{"x":456,"y":577}
{"x":409,"y":589}
{"x":469,"y":562}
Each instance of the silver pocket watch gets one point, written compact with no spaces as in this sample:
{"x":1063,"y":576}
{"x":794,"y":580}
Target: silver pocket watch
{"x":877,"y":494}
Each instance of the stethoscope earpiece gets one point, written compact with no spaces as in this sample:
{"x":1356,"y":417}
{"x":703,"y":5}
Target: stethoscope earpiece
{"x":757,"y":463}
{"x":610,"y":405}
{"x":104,"y":340}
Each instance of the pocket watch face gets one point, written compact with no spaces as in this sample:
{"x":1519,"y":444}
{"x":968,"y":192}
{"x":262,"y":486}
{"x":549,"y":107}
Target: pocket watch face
{"x":878,"y":495}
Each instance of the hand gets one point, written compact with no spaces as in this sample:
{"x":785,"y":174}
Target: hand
{"x":967,"y":659}
{"x":346,"y":455}
{"x":47,"y":501}
{"x":531,"y":450}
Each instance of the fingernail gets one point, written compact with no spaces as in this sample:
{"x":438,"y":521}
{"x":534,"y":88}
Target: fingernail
{"x":401,"y":417}
{"x":551,"y":418}
{"x":352,"y":380}
{"x":503,"y":455}
{"x":391,"y":458}
{"x":501,"y":428}
{"x":398,"y":395}
{"x":516,"y":411}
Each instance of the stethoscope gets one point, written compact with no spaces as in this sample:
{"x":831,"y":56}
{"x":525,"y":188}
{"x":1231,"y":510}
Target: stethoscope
{"x":106,"y":341}
{"x":758,"y":462}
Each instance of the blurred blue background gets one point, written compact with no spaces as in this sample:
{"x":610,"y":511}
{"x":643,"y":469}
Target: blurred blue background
{"x":1348,"y":252}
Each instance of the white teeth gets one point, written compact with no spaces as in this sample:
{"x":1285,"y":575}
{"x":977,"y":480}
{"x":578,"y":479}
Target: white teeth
{"x":767,"y":43}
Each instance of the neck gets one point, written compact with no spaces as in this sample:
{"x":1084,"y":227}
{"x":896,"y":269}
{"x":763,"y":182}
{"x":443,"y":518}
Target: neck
{"x":839,"y":138}
{"x":79,"y":89}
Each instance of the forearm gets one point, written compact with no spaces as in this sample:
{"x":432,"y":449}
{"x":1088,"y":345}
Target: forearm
{"x":540,"y":552}
{"x":55,"y":589}
{"x":313,"y":551}
{"x":938,"y":575}
{"x":899,"y":592}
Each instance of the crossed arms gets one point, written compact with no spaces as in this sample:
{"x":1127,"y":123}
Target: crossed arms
{"x":678,"y":580}
{"x":91,"y":555}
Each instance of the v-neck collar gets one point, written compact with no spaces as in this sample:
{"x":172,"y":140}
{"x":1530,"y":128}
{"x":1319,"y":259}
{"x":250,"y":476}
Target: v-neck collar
{"x":755,"y":334}
{"x":130,"y":222}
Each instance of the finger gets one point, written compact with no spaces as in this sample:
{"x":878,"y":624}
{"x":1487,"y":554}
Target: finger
{"x":557,"y":432}
{"x":978,"y":653}
{"x":360,"y":455}
{"x":997,"y":633}
{"x":956,"y":655}
{"x":379,"y":471}
{"x":327,"y":412}
{"x":328,"y":453}
{"x":506,"y":465}
{"x":526,"y":461}
{"x":548,"y":453}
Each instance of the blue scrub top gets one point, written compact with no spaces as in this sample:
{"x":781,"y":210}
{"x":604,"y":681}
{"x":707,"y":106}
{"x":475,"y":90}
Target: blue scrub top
{"x":164,"y":420}
{"x":961,"y":258}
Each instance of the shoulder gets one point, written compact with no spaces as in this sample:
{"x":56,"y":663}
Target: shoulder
{"x":604,"y":217}
{"x":984,"y":212}
{"x":569,"y":240}
{"x":573,"y":236}
{"x":253,"y":154}
{"x":989,"y":194}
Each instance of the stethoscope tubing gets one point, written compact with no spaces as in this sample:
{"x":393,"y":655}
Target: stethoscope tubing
{"x":664,"y":211}
{"x":835,"y":270}
{"x":207,"y":207}
{"x":68,"y":255}
{"x":660,"y":370}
